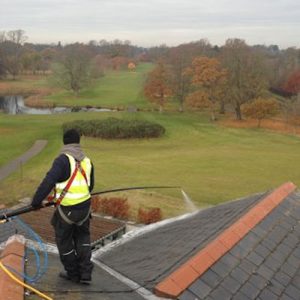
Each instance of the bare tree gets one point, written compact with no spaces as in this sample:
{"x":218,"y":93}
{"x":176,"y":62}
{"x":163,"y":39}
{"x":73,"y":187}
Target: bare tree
{"x":72,"y":71}
{"x":246,"y":79}
{"x":11,"y":44}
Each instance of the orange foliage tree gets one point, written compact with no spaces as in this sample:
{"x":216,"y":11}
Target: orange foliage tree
{"x":292,"y":85}
{"x":131,"y":66}
{"x":207,"y":79}
{"x":261,"y":108}
{"x":157,"y":88}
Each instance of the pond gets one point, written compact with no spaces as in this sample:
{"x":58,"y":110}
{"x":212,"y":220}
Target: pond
{"x":15,"y":105}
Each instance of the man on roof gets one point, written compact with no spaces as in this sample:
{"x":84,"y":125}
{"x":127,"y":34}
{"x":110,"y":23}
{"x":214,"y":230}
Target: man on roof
{"x":71,"y":180}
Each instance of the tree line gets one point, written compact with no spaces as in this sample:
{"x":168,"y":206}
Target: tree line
{"x":195,"y":74}
{"x":250,"y":80}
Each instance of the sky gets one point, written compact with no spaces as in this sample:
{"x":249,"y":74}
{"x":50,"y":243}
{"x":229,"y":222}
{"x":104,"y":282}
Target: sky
{"x":154,"y":22}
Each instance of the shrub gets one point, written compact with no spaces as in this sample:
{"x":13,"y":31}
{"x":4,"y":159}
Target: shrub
{"x":148,"y":216}
{"x":113,"y":128}
{"x":115,"y":207}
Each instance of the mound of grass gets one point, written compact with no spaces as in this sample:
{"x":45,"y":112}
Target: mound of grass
{"x":113,"y":128}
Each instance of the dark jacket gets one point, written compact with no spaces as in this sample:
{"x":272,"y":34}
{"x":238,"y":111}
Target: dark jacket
{"x":59,"y":172}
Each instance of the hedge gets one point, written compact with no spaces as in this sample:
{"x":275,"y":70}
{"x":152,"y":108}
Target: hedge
{"x":113,"y":128}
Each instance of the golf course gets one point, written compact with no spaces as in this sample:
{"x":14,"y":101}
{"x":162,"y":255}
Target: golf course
{"x":212,"y":163}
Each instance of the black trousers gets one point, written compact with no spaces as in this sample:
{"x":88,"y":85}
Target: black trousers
{"x":73,"y":241}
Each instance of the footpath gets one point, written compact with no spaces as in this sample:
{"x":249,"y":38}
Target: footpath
{"x":17,"y":163}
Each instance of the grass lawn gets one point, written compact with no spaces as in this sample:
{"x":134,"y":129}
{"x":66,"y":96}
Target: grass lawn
{"x":117,"y":89}
{"x":211,"y":163}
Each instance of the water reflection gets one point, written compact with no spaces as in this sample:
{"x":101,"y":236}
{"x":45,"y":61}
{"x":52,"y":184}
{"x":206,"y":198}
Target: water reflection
{"x":15,"y":105}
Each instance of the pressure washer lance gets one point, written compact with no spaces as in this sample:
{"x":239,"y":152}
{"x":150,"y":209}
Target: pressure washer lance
{"x":4,"y":217}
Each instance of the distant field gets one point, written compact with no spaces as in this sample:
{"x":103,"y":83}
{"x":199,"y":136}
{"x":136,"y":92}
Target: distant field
{"x":117,"y":89}
{"x":211,"y":163}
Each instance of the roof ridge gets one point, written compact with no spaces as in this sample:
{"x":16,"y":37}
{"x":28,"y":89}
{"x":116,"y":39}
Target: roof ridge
{"x":173,"y":285}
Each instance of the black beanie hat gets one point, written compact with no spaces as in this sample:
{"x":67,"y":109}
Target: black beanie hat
{"x":71,"y":136}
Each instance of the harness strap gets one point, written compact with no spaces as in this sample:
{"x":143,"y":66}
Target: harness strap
{"x":70,"y":222}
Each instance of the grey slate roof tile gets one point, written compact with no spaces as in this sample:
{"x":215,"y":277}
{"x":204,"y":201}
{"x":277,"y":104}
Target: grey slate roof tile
{"x":293,"y":292}
{"x":211,"y":278}
{"x":240,"y":296}
{"x":250,"y":290}
{"x":200,"y":288}
{"x":255,"y":258}
{"x":265,"y":272}
{"x":240,"y":275}
{"x":275,"y":287}
{"x":285,"y":297}
{"x":257,"y":281}
{"x":230,"y":260}
{"x":231,"y":284}
{"x":221,"y":269}
{"x":188,"y":296}
{"x":220,"y":293}
{"x":266,"y":294}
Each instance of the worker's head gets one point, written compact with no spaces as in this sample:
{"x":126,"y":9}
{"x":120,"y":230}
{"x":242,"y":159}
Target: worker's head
{"x":71,"y":136}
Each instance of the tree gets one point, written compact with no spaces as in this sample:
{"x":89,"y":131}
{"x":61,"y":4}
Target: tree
{"x":72,"y":71}
{"x":180,"y":79}
{"x":261,"y":108}
{"x":157,"y":88}
{"x":246,"y":78}
{"x":11,"y":50}
{"x":292,"y":85}
{"x":207,"y":79}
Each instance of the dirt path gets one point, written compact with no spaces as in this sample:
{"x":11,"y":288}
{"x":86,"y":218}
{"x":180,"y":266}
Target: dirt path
{"x":18,"y":162}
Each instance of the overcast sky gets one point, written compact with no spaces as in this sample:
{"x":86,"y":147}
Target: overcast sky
{"x":154,"y":22}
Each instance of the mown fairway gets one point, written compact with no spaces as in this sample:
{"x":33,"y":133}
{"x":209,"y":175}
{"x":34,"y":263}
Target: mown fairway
{"x":117,"y":89}
{"x":213,"y":164}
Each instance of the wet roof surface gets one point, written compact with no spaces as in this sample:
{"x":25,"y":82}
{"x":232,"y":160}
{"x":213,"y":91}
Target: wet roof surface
{"x":103,"y":286}
{"x":150,"y":257}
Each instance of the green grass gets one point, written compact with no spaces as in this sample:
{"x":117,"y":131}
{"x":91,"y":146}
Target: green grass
{"x":117,"y":89}
{"x":212,"y":164}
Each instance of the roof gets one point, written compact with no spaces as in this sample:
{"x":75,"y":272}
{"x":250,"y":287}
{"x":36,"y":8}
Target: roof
{"x":244,"y":249}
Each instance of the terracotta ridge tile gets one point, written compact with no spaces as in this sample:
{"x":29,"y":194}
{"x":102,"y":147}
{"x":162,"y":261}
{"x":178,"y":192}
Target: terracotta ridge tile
{"x":173,"y":285}
{"x":12,"y":257}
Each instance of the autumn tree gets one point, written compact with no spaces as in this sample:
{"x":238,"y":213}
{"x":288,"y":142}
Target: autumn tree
{"x":246,"y":78}
{"x":292,"y":85}
{"x":261,"y":108}
{"x":131,"y":66}
{"x":157,"y":87}
{"x":73,"y":70}
{"x":180,"y":79}
{"x":207,"y":79}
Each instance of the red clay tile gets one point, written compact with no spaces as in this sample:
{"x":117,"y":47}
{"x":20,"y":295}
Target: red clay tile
{"x":216,"y":249}
{"x":12,"y":256}
{"x":240,"y":228}
{"x":229,"y":238}
{"x":184,"y":276}
{"x":201,"y":262}
{"x":168,"y":288}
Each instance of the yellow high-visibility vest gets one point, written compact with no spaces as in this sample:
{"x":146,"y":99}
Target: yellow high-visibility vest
{"x":79,"y":190}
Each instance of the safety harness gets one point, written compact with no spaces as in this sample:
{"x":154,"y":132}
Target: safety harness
{"x":64,"y":192}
